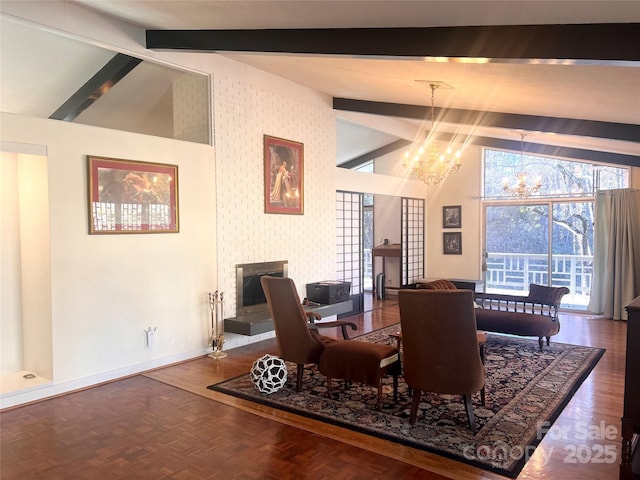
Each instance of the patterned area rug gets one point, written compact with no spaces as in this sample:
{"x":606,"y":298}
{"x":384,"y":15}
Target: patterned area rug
{"x":525,"y":388}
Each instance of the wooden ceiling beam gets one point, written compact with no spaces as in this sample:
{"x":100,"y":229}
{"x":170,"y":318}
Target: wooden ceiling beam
{"x":94,"y":88}
{"x":512,"y":121}
{"x":610,"y":43}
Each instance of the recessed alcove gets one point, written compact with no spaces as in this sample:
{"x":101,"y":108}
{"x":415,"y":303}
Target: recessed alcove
{"x":25,"y":307}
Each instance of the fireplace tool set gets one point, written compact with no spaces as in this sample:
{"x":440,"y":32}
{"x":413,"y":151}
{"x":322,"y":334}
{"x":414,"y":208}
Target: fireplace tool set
{"x":216,"y":305}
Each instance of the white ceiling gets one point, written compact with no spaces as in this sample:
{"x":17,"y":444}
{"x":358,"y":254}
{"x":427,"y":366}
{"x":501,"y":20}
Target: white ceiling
{"x":602,"y":92}
{"x":237,"y":14}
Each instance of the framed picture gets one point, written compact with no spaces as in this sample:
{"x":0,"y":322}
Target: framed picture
{"x":452,"y":217}
{"x":283,"y":176}
{"x":128,"y":196}
{"x":452,"y":243}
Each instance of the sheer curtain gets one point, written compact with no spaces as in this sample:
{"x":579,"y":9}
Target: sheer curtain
{"x":616,"y":256}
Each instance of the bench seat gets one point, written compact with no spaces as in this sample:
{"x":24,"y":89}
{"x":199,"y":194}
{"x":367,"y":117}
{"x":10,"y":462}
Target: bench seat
{"x":518,"y":323}
{"x":534,"y":315}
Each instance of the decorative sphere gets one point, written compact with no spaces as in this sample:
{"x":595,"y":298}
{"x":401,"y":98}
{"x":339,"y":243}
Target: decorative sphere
{"x":269,"y":374}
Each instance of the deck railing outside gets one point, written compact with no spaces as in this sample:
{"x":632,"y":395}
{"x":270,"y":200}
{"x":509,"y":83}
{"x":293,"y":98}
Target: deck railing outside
{"x":513,"y":272}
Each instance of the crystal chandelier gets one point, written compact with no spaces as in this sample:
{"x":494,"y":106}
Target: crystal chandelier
{"x":428,"y":160}
{"x":521,"y":189}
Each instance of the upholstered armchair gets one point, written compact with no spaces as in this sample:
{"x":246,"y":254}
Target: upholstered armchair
{"x":299,"y":342}
{"x":440,"y":345}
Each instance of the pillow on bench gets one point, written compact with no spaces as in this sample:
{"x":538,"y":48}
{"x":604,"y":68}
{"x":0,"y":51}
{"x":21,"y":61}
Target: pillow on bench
{"x":444,"y":284}
{"x":437,"y":285}
{"x":546,"y":295}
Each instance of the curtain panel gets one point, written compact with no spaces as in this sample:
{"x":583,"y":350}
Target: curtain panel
{"x":616,"y":258}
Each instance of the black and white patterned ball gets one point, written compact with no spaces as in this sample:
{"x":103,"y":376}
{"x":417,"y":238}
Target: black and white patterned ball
{"x":269,"y":374}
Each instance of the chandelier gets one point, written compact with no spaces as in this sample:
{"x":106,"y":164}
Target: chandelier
{"x":429,"y":160}
{"x":521,"y":189}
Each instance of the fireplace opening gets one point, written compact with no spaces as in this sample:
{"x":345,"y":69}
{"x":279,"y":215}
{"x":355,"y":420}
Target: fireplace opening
{"x":249,"y":294}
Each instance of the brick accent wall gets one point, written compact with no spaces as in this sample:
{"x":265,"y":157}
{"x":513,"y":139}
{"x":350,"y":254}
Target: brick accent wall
{"x":190,"y":112}
{"x":243,"y":113}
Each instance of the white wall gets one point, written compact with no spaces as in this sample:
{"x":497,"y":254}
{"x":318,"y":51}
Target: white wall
{"x":464,"y":189}
{"x":355,"y":181}
{"x":106,"y":289}
{"x":35,"y":260}
{"x":10,"y":290}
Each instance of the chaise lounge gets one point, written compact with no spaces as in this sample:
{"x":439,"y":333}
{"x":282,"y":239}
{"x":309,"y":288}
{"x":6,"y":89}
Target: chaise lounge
{"x":534,"y":315}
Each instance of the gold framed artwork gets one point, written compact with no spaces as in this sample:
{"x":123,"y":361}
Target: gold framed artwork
{"x":128,"y":196}
{"x":283,"y":176}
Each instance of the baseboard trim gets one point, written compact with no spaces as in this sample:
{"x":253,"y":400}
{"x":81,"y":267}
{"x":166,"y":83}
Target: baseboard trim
{"x":53,"y":389}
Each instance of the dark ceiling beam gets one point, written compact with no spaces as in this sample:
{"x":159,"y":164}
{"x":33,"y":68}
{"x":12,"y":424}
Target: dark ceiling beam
{"x":513,"y":145}
{"x":377,"y":153}
{"x":600,"y":42}
{"x":98,"y":85}
{"x":556,"y":151}
{"x":610,"y":44}
{"x":513,"y":121}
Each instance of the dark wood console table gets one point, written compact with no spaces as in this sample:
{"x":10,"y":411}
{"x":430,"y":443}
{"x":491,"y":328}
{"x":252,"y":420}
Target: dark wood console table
{"x":630,"y":465}
{"x":392,"y":250}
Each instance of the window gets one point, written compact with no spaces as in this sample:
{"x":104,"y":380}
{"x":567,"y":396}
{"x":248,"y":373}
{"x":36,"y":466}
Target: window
{"x":366,"y":167}
{"x":560,"y":178}
{"x":547,"y":238}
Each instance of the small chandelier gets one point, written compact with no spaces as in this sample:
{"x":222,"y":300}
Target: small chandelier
{"x":428,"y":160}
{"x":521,"y":189}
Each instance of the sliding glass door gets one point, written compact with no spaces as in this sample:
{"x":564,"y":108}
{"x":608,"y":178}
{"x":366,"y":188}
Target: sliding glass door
{"x":545,"y":243}
{"x":517,"y":247}
{"x":572,"y":251}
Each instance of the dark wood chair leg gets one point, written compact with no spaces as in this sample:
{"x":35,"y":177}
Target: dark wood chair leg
{"x":415,"y":401}
{"x":468,"y":405}
{"x":395,"y":388}
{"x":329,"y":387}
{"x":379,"y":404}
{"x":299,"y":376}
{"x":548,"y":341}
{"x":483,"y":392}
{"x":540,"y":342}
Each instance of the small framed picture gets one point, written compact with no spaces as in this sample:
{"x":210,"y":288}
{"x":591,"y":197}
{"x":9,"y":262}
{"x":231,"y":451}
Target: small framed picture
{"x":452,"y":243}
{"x":452,"y":216}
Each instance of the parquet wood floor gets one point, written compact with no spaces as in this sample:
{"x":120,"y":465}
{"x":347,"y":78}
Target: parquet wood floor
{"x":166,"y":424}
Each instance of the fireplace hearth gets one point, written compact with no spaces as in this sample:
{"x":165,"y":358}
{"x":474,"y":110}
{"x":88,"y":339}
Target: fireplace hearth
{"x":252,"y":312}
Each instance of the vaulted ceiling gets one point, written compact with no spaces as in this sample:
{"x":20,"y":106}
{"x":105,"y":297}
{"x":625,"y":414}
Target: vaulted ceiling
{"x":575,"y":88}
